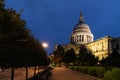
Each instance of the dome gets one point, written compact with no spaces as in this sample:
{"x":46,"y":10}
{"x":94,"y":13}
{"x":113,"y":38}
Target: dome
{"x":81,"y":27}
{"x":81,"y":33}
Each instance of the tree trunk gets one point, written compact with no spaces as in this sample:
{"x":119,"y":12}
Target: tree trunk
{"x":12,"y":73}
{"x":26,"y":73}
{"x":38,"y":69}
{"x":34,"y":70}
{"x":2,"y":69}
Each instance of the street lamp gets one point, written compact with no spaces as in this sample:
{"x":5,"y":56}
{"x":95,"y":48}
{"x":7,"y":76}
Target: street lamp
{"x":45,"y":45}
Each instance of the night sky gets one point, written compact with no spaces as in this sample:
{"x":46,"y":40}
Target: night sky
{"x":52,"y":21}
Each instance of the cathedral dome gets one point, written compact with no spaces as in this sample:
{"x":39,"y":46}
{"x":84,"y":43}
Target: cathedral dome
{"x":81,"y":33}
{"x":81,"y":27}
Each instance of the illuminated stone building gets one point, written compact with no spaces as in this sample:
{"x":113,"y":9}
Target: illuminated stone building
{"x":101,"y":47}
{"x":81,"y":35}
{"x":104,"y":46}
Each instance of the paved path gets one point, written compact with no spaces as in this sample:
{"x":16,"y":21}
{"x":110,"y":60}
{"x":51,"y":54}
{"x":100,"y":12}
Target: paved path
{"x":19,"y":74}
{"x":67,"y":74}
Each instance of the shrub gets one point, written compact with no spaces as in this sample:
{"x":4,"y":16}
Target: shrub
{"x":84,"y":70}
{"x":77,"y":68}
{"x":80,"y":69}
{"x":74,"y":67}
{"x":71,"y":68}
{"x":108,"y":75}
{"x":92,"y":71}
{"x":100,"y":72}
{"x":112,"y":75}
{"x":116,"y":74}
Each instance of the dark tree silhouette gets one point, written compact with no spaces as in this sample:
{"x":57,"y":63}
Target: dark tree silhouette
{"x":85,"y":57}
{"x":58,"y":54}
{"x":69,"y":56}
{"x":112,"y":60}
{"x":18,"y":47}
{"x":2,"y":4}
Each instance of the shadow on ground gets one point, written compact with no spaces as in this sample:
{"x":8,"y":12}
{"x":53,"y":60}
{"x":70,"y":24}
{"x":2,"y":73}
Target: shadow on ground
{"x":44,"y":75}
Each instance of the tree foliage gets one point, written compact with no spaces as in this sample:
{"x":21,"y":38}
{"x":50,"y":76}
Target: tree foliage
{"x":18,"y":47}
{"x":112,"y":60}
{"x":2,"y":4}
{"x":69,"y":56}
{"x":58,"y":54}
{"x":85,"y":57}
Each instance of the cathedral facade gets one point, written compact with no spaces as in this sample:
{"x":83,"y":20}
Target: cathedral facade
{"x":82,"y":35}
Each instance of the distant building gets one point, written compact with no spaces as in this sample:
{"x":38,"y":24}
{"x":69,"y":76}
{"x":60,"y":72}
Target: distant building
{"x":81,"y":35}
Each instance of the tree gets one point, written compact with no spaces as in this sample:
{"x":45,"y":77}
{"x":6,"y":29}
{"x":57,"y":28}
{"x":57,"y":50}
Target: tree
{"x":18,"y":46}
{"x":12,"y":33}
{"x":85,"y":57}
{"x":69,"y":56}
{"x":2,"y":4}
{"x":58,"y":54}
{"x":112,"y":60}
{"x":36,"y":54}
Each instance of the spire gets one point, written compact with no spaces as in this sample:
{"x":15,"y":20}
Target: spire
{"x":81,"y":17}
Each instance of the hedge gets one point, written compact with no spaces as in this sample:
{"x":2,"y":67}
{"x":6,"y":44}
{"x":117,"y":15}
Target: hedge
{"x":112,"y":75}
{"x":100,"y":72}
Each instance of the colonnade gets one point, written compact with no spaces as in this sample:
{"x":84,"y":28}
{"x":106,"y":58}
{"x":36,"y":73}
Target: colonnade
{"x":81,"y":38}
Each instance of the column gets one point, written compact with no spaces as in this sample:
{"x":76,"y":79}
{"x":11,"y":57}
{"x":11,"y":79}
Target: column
{"x":82,"y":38}
{"x":77,"y":38}
{"x":73,"y":38}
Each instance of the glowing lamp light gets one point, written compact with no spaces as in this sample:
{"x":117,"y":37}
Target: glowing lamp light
{"x":44,"y":44}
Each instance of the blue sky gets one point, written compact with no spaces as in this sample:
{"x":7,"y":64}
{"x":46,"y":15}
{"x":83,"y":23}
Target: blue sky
{"x":52,"y":21}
